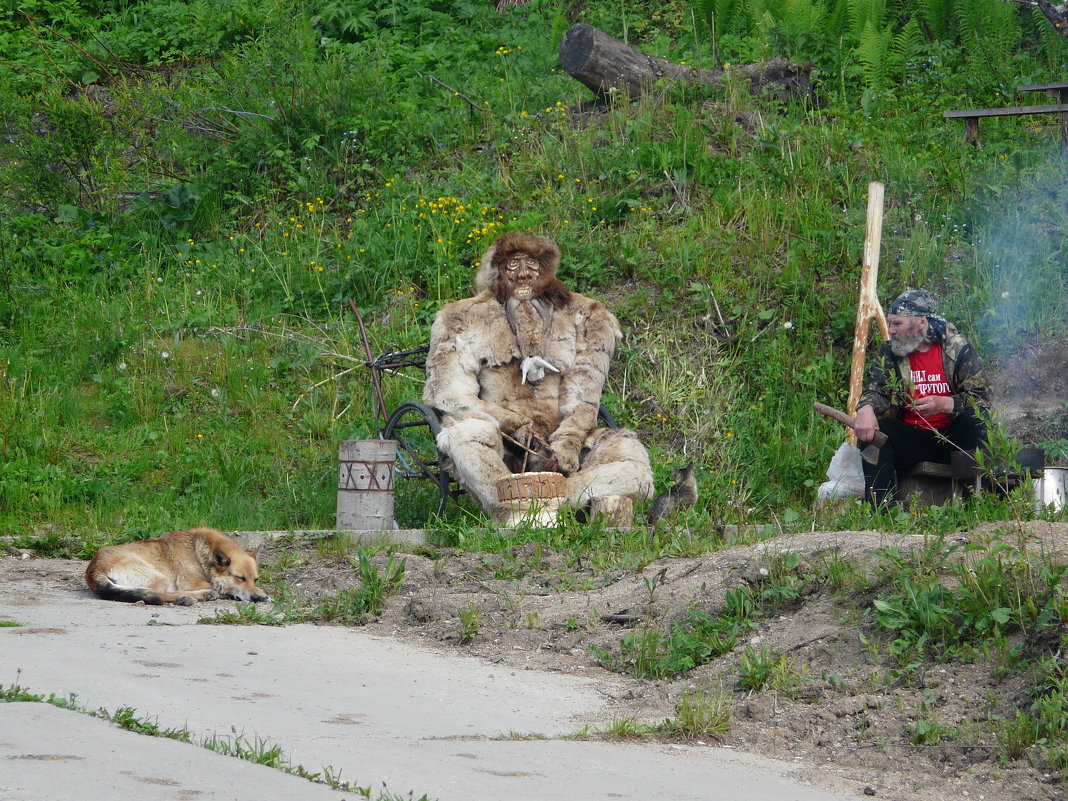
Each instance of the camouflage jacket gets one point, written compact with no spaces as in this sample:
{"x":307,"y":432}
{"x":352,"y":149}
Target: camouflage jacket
{"x":889,"y":386}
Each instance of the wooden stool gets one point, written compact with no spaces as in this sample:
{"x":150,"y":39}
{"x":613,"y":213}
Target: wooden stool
{"x":931,"y":482}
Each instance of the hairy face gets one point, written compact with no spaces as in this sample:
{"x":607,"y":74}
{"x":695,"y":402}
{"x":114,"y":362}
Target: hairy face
{"x":521,"y":277}
{"x":907,"y":334}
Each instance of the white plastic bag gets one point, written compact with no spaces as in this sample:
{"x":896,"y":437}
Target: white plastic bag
{"x":845,"y":476}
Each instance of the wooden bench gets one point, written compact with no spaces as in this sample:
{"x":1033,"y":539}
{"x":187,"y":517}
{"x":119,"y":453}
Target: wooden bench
{"x":972,"y":116}
{"x":1057,"y":90}
{"x":936,"y":484}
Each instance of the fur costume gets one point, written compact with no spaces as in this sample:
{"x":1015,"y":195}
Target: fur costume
{"x":498,"y":364}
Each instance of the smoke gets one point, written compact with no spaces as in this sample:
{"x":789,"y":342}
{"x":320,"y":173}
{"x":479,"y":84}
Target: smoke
{"x":1019,"y":280}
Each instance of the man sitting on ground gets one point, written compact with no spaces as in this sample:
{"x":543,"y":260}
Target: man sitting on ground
{"x":926,"y":391}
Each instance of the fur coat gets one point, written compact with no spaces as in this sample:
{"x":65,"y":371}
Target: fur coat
{"x":474,"y":367}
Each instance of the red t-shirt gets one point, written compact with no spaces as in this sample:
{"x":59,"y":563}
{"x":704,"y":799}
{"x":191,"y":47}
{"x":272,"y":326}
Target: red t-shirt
{"x":928,"y":379}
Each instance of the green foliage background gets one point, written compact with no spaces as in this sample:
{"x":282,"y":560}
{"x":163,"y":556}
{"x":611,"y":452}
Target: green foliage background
{"x":193,"y":190}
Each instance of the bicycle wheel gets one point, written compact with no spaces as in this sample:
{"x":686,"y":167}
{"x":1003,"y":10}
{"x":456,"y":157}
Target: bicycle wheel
{"x":422,"y":485}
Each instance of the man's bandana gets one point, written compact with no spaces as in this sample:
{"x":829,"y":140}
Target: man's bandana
{"x":914,"y":303}
{"x":918,"y":303}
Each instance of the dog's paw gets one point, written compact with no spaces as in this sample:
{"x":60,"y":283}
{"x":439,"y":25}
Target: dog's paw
{"x":211,"y":595}
{"x":185,"y":600}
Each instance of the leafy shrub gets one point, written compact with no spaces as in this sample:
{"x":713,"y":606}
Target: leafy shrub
{"x":998,"y":590}
{"x":755,"y":668}
{"x":350,"y":606}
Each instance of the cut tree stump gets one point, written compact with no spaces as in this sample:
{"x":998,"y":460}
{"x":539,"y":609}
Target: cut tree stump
{"x":607,"y":66}
{"x":618,"y":510}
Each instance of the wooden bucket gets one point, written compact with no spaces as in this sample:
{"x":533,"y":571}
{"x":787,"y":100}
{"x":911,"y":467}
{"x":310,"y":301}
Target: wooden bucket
{"x":365,"y":484}
{"x":530,"y":498}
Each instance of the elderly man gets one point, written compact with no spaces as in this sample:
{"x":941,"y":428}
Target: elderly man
{"x":517,"y":373}
{"x":926,"y":391}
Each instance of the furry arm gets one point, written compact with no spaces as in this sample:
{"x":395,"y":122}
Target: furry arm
{"x":597,"y":333}
{"x":452,"y":377}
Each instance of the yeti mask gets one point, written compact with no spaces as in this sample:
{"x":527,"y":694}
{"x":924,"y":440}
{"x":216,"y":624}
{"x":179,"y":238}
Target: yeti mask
{"x":523,"y":267}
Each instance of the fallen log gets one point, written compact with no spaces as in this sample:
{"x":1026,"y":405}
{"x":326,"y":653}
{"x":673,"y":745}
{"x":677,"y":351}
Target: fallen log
{"x":1057,"y":16}
{"x":607,"y":66}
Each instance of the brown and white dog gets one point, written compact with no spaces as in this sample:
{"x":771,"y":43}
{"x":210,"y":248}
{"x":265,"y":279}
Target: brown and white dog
{"x":182,"y":567}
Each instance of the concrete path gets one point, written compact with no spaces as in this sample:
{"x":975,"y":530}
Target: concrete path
{"x":378,"y":712}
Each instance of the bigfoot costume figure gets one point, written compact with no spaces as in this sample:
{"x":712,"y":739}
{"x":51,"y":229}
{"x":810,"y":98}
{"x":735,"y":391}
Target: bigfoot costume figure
{"x":524,"y":361}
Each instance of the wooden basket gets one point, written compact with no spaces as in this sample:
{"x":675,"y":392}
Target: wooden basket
{"x":531,"y":498}
{"x":531,"y":485}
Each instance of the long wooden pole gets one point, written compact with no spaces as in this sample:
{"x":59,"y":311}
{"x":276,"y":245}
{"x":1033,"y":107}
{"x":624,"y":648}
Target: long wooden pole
{"x":868,"y":307}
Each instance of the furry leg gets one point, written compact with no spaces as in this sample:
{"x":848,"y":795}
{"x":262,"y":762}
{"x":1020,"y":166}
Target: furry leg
{"x":476,"y":451}
{"x":615,"y":464}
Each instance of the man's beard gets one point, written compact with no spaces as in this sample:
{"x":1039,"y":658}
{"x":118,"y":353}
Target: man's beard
{"x":906,"y":344}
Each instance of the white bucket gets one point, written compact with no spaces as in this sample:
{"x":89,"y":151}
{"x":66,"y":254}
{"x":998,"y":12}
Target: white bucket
{"x":1051,"y":489}
{"x":365,"y":484}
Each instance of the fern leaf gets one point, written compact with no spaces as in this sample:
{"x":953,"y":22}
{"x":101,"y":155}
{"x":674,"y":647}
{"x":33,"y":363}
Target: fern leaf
{"x":725,"y":16}
{"x":873,"y":54}
{"x":939,"y":16}
{"x":906,"y":43}
{"x":863,"y":12}
{"x":989,"y":33}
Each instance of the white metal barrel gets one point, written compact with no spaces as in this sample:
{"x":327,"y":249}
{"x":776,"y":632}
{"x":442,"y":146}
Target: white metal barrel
{"x":1051,"y":488}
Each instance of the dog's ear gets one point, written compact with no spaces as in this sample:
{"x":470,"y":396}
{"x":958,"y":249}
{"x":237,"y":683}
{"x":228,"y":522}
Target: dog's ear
{"x":255,"y":553}
{"x":221,"y":559}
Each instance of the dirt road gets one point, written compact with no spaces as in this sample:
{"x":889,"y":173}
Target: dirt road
{"x":378,"y":711}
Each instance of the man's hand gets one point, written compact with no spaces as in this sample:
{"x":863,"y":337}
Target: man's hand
{"x":565,"y":455}
{"x":866,"y":424}
{"x":931,"y":405}
{"x":517,"y":426}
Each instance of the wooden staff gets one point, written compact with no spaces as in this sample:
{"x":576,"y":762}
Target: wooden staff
{"x":868,"y":308}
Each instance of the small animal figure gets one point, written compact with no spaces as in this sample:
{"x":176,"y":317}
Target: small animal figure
{"x":682,"y":493}
{"x":182,"y":567}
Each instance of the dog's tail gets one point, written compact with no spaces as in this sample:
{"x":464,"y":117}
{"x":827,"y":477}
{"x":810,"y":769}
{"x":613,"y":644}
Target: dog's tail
{"x":103,"y":587}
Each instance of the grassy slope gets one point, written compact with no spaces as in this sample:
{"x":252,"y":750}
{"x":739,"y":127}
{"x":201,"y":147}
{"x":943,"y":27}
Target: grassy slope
{"x":183,"y":355}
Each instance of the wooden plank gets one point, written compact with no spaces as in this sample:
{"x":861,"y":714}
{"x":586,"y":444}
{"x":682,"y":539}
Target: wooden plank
{"x":1043,"y":87}
{"x":930,"y":470}
{"x":971,"y":119}
{"x":1012,"y":111}
{"x":1057,"y":91}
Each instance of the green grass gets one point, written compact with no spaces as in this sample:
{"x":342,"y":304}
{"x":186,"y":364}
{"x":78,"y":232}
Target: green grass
{"x":246,"y":615}
{"x":468,"y":622}
{"x":703,"y":635}
{"x":209,"y":363}
{"x":626,"y":727}
{"x":700,"y":712}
